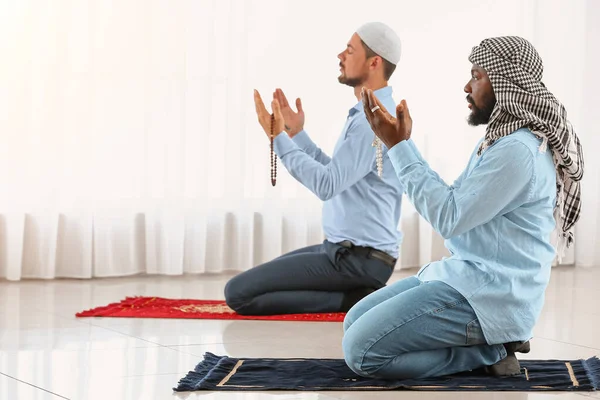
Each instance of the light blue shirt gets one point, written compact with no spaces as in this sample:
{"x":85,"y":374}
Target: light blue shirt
{"x":497,"y":219}
{"x":358,"y":205}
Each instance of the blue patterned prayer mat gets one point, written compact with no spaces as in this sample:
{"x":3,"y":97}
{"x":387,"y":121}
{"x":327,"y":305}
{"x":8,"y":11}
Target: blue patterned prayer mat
{"x":243,"y":374}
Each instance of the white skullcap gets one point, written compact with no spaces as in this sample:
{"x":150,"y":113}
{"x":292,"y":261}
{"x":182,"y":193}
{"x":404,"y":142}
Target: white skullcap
{"x":382,"y":40}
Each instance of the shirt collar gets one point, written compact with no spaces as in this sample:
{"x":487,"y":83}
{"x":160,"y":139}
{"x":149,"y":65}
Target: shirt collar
{"x":382,"y":93}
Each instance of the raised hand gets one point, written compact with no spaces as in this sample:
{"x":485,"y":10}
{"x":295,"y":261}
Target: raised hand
{"x":294,"y":121}
{"x":264,"y":117}
{"x":390,"y":130}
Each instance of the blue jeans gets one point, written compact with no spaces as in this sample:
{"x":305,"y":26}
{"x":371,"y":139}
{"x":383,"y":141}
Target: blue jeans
{"x":415,"y":329}
{"x":314,"y":279}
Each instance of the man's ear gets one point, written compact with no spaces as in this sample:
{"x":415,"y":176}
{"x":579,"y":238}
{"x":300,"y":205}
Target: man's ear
{"x":376,"y":61}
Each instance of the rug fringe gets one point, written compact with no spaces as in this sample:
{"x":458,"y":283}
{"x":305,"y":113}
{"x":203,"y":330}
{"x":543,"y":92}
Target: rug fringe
{"x":194,"y":379}
{"x":210,"y":361}
{"x":592,"y":367}
{"x":101,"y":311}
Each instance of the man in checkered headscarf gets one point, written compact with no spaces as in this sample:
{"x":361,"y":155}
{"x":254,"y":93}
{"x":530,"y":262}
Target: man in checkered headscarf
{"x":515,"y":71}
{"x":477,"y":307}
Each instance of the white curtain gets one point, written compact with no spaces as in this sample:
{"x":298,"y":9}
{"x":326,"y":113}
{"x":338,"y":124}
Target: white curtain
{"x":129,"y":142}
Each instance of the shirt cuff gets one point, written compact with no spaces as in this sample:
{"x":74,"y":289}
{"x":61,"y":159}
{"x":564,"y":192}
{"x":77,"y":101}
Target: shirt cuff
{"x":302,"y":140}
{"x":283,"y":145}
{"x":404,"y":154}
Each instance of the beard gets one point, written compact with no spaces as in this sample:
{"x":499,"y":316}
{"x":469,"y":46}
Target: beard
{"x":481,"y":115}
{"x":352,"y":81}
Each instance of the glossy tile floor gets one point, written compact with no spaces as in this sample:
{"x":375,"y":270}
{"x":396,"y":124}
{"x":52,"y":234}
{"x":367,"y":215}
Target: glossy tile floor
{"x":47,"y":353}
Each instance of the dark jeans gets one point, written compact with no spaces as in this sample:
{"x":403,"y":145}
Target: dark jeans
{"x":315,"y":279}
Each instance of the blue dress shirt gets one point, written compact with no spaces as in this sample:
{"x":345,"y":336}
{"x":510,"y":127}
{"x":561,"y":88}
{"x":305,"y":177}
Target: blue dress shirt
{"x":497,"y":219}
{"x":358,"y":205}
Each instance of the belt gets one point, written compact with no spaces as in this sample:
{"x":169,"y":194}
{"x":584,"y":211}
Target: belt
{"x":370,"y":252}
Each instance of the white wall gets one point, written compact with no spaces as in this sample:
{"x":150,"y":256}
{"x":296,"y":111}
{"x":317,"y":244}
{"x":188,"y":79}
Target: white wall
{"x":129,"y":141}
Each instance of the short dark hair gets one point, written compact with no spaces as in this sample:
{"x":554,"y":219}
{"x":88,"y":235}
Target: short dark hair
{"x":388,"y":67}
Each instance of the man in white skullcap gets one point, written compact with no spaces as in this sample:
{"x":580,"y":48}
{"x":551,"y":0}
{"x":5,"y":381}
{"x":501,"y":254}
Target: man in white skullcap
{"x":361,"y":194}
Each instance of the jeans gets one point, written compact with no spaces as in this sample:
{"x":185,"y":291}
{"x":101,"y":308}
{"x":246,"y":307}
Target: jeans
{"x":414,"y":329}
{"x":315,"y":279}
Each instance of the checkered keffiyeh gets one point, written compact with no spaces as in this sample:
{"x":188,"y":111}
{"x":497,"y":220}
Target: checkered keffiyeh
{"x":522,"y":100}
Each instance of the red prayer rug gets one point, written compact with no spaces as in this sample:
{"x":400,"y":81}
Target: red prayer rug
{"x":158,"y":307}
